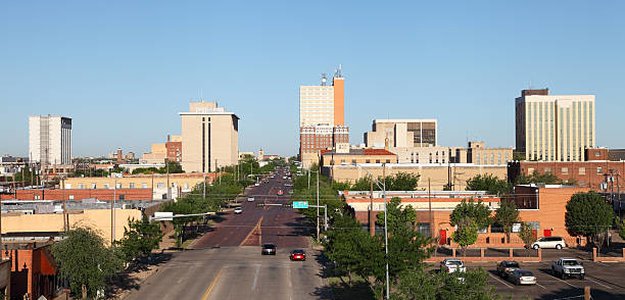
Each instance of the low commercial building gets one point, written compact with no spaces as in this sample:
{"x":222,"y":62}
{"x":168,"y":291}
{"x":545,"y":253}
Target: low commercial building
{"x":543,"y":207}
{"x":440,"y":176}
{"x":80,"y":194}
{"x":597,"y":172}
{"x":33,"y":272}
{"x":178,"y":183}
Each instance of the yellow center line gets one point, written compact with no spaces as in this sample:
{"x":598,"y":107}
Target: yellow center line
{"x":212,"y":285}
{"x":252,"y":231}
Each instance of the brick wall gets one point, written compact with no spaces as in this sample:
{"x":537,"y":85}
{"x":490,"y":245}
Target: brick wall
{"x":80,"y":194}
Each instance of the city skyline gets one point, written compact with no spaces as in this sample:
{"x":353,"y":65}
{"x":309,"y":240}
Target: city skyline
{"x":114,"y":66}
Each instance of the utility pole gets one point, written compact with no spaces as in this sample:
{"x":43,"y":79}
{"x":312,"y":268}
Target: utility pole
{"x":168,"y":189}
{"x":317,"y":206}
{"x":385,"y":231}
{"x":204,"y":187}
{"x":309,"y":179}
{"x":113,"y":210}
{"x":371,"y":223}
{"x":430,"y":208}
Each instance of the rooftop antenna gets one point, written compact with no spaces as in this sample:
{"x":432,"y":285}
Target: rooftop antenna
{"x":324,"y":79}
{"x":338,"y":72}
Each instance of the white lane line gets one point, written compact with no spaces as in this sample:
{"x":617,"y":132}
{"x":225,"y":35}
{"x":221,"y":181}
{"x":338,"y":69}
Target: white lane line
{"x":565,"y":282}
{"x":599,"y":283}
{"x":540,"y":285}
{"x":255,"y":277}
{"x":504,"y":283}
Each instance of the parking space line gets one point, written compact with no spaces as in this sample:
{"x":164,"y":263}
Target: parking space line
{"x":504,"y":283}
{"x":599,"y":283}
{"x":540,"y":285}
{"x":566,"y":282}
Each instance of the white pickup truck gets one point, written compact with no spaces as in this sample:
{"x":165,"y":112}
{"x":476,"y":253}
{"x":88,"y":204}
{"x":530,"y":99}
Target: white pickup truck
{"x":568,"y":267}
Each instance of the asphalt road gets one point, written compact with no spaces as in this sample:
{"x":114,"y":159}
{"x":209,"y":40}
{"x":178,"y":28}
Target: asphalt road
{"x":226,"y":263}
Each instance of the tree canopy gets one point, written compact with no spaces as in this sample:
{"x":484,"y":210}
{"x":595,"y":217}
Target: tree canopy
{"x":85,"y":261}
{"x":140,"y":238}
{"x":506,"y":215}
{"x":588,"y":214}
{"x":474,"y":210}
{"x":489,"y":183}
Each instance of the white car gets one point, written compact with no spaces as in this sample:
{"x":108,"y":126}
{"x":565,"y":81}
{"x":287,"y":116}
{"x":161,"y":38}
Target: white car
{"x":554,"y":242}
{"x":238,"y":210}
{"x":250,"y":199}
{"x":451,"y":265}
{"x":568,"y":267}
{"x":257,"y":184}
{"x":520,"y":276}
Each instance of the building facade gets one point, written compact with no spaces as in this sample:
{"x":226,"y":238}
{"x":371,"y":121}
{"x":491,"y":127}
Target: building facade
{"x":210,"y":137}
{"x":554,"y":127}
{"x":401,"y":133}
{"x":50,"y":140}
{"x":322,"y":118}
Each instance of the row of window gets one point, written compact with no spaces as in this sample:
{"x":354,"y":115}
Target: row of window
{"x":367,"y":161}
{"x":565,"y":170}
{"x":132,"y":185}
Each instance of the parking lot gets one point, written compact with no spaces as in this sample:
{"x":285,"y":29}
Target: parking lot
{"x":606,"y":280}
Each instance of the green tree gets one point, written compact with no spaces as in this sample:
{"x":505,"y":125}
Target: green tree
{"x":417,"y":285}
{"x":545,"y":178}
{"x":506,"y":215}
{"x":474,"y":210}
{"x":527,"y":234}
{"x":489,"y":183}
{"x":407,"y":248}
{"x":363,"y":184}
{"x":588,"y":215}
{"x":466,"y":234}
{"x":140,"y":238}
{"x":402,"y":182}
{"x":473,"y":286}
{"x":85,"y":261}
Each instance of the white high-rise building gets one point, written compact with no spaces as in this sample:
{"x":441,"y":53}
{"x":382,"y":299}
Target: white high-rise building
{"x":50,"y":140}
{"x":554,"y":127}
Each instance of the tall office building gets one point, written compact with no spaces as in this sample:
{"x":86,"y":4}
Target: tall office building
{"x":554,"y":127}
{"x":398,"y":133}
{"x":210,"y":137}
{"x":322,"y":117}
{"x":50,"y":140}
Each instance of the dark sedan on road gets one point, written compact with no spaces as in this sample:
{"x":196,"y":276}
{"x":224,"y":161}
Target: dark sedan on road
{"x":297,"y":254}
{"x":269,"y":249}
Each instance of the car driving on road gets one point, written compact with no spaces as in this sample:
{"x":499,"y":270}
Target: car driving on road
{"x":297,"y":254}
{"x":269,"y":249}
{"x":280,"y":193}
{"x":238,"y":210}
{"x":250,"y":199}
{"x":568,"y":267}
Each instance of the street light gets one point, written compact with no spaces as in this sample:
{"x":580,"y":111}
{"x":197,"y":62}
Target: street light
{"x":317,"y":172}
{"x":383,"y":188}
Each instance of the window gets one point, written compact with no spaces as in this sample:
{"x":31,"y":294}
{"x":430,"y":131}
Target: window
{"x":377,"y":161}
{"x":131,"y":185}
{"x":160,"y":185}
{"x":424,"y":229}
{"x":144,"y":185}
{"x":71,"y":197}
{"x":388,"y":161}
{"x":122,"y":197}
{"x":37,"y":197}
{"x":367,"y":161}
{"x":118,"y":185}
{"x":599,"y":170}
{"x":582,"y":171}
{"x":68,"y":186}
{"x":530,"y":171}
{"x":565,"y":170}
{"x":81,"y":186}
{"x":106,"y":186}
{"x":93,"y":186}
{"x":547,"y":170}
{"x":496,"y":228}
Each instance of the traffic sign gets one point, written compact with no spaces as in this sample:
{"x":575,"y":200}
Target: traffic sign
{"x":300,"y":204}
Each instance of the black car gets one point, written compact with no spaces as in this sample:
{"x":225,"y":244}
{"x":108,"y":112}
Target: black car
{"x":506,"y":267}
{"x":269,"y":249}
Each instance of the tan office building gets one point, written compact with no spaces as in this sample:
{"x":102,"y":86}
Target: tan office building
{"x":554,"y":127}
{"x":210,"y":137}
{"x":401,"y":133}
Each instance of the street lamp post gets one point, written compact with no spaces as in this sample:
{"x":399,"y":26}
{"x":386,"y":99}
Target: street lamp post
{"x":383,"y":188}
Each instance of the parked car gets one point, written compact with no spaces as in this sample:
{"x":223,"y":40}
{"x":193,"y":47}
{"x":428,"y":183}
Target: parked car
{"x":506,"y":267}
{"x":238,"y":210}
{"x":250,"y":199}
{"x":451,"y":265}
{"x":568,"y":267}
{"x":269,"y":249}
{"x":555,"y":242}
{"x":520,"y":276}
{"x":297,"y":254}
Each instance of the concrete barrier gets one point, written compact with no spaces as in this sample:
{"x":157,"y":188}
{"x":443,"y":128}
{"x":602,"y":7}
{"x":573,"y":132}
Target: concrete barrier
{"x":597,"y":258}
{"x":484,"y":258}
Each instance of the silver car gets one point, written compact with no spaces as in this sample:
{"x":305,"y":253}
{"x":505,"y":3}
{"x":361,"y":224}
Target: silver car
{"x":520,"y":276}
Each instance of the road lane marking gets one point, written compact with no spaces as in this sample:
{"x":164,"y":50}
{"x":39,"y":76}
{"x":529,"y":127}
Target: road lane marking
{"x":252,"y":232}
{"x":255,"y":277}
{"x":566,"y":282}
{"x":212,"y":285}
{"x":601,"y":284}
{"x":540,"y":285}
{"x":504,"y":283}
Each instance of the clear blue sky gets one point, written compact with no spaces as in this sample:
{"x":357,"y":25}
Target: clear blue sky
{"x":124,"y":69}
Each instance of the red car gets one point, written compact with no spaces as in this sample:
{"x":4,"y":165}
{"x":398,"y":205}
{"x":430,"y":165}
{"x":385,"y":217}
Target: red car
{"x":298,"y":254}
{"x":280,"y":193}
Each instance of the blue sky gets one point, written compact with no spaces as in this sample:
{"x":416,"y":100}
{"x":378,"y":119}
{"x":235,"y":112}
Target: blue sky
{"x":124,"y":69}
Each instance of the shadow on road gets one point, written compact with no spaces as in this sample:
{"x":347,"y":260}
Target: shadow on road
{"x":127,"y":280}
{"x":575,"y":293}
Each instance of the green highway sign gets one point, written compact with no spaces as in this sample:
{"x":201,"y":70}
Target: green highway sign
{"x":300,"y":204}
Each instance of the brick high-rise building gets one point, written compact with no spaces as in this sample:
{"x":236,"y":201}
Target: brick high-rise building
{"x":554,"y":127}
{"x":322,"y":117}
